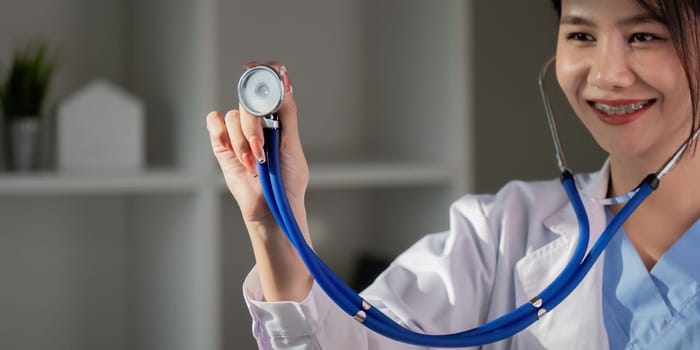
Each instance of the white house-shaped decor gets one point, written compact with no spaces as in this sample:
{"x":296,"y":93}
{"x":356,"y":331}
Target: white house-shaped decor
{"x":100,"y":128}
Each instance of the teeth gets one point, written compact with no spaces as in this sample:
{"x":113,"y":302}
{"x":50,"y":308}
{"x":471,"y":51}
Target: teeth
{"x":618,"y":110}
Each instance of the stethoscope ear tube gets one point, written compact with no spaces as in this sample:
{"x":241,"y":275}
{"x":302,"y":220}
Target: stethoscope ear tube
{"x":503,"y":327}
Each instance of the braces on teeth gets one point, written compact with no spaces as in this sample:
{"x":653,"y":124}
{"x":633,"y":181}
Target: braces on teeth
{"x":617,"y":110}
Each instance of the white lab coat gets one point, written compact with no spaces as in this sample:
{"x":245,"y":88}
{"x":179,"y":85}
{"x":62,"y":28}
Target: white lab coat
{"x":500,"y":251}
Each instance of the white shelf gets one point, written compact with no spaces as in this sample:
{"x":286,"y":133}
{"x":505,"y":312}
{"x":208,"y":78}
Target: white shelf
{"x":324,"y":176}
{"x":376,"y":174}
{"x":53,"y":183}
{"x":367,"y":175}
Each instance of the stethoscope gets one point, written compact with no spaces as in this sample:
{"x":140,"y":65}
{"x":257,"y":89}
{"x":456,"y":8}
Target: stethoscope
{"x":261,"y":92}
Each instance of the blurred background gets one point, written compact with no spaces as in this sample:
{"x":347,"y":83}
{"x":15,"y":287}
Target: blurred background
{"x":118,"y":231}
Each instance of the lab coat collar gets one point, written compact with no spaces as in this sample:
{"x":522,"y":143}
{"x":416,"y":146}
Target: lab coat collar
{"x":538,"y":269}
{"x":594,"y":185}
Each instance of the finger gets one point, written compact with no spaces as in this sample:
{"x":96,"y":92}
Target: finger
{"x":220,"y":143}
{"x":251,"y":127}
{"x":288,"y":109}
{"x":250,"y":64}
{"x":238,"y":141}
{"x":289,"y":104}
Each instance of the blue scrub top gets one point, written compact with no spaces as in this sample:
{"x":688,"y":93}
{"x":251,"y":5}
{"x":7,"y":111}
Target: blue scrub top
{"x":657,"y":309}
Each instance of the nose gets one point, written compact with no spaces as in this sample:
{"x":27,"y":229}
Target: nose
{"x":610,"y":68}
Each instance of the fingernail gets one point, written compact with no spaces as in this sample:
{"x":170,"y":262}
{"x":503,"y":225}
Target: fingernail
{"x":249,"y":64}
{"x":256,"y":145}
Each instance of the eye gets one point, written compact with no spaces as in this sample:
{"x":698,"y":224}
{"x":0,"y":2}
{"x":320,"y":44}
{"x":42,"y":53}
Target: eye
{"x":579,"y":36}
{"x":642,"y":37}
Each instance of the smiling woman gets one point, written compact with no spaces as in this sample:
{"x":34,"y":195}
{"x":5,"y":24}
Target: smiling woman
{"x":677,"y":19}
{"x":625,"y":69}
{"x":630,"y":71}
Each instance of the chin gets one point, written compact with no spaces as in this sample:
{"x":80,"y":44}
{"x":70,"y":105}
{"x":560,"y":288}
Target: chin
{"x":630,"y":148}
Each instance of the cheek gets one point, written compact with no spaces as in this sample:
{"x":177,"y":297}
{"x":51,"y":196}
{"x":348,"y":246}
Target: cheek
{"x":677,"y":84}
{"x":571,"y":76}
{"x":672,"y":85}
{"x":667,"y":75}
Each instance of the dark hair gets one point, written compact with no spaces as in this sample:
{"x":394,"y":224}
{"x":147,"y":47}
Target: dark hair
{"x":682,"y":18}
{"x":557,"y":6}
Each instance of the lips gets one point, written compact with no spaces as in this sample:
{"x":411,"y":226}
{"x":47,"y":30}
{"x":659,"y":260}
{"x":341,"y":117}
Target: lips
{"x":620,"y":112}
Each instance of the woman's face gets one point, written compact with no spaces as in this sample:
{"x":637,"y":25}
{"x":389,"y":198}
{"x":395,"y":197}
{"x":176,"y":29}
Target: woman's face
{"x":620,"y":72}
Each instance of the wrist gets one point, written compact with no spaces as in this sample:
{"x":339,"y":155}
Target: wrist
{"x":283,"y":275}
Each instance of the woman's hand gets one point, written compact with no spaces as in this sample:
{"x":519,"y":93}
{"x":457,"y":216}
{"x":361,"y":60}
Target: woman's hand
{"x":237,"y":142}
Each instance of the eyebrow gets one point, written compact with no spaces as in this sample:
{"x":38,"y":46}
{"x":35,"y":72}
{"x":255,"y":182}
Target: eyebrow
{"x":637,"y":19}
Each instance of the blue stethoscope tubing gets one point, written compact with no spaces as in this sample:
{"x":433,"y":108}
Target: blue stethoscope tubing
{"x":498,"y":329}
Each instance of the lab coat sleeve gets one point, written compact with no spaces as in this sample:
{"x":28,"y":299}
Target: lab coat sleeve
{"x":314,"y":323}
{"x":441,"y":284}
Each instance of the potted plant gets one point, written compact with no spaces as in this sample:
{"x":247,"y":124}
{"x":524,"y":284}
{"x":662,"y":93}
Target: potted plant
{"x":22,"y":95}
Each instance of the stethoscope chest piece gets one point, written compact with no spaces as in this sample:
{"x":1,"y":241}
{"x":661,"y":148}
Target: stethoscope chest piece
{"x":260,"y":91}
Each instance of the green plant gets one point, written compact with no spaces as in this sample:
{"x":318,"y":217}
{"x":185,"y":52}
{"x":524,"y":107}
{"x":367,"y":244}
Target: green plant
{"x":24,"y":90}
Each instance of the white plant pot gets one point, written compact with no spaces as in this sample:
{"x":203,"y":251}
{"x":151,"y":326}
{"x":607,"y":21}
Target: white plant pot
{"x":23,"y":136}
